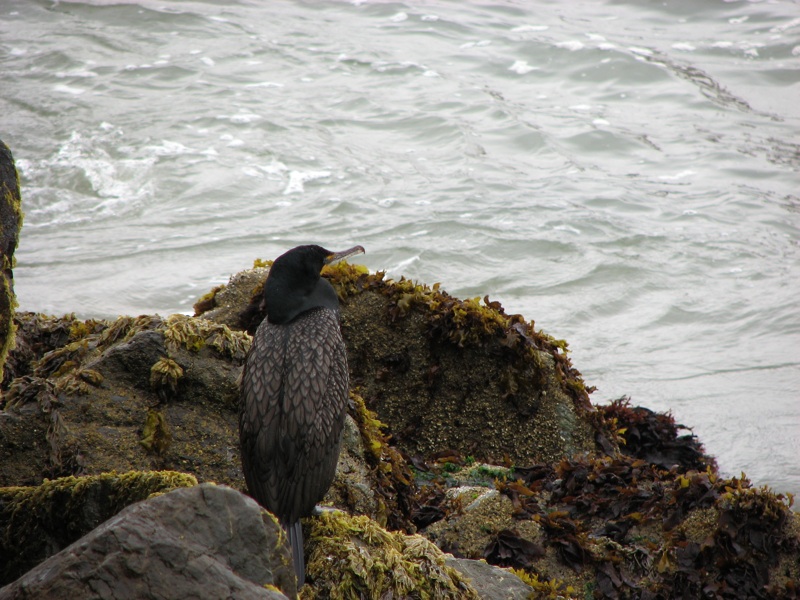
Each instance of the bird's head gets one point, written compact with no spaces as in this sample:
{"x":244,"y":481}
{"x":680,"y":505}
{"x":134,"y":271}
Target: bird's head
{"x":294,"y":285}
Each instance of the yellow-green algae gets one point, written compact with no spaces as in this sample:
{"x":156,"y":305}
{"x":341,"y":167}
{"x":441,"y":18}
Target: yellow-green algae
{"x":164,"y":376}
{"x":552,"y":589}
{"x":36,"y":522}
{"x":193,"y":334}
{"x":11,"y":217}
{"x":392,"y":475}
{"x":353,"y":558}
{"x":155,"y":434}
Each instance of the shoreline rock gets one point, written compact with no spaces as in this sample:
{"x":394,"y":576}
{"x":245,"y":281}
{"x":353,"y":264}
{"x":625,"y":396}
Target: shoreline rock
{"x":450,"y":398}
{"x":204,"y":541}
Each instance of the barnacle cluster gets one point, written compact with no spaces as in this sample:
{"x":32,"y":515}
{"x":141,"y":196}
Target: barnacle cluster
{"x":473,"y":321}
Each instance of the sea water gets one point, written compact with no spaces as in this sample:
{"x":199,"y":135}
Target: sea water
{"x":625,"y":174}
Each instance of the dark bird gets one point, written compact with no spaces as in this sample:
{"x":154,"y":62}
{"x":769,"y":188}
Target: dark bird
{"x":293,"y":395}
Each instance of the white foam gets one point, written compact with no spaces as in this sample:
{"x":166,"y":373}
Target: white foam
{"x":68,"y":89}
{"x":298,"y":179}
{"x":684,"y":46}
{"x":207,"y":60}
{"x":640,"y":51}
{"x":274,"y":168}
{"x":240,"y":118}
{"x":572,"y":45}
{"x":169,"y":148}
{"x":680,"y":175}
{"x":523,"y":28}
{"x":568,"y":229}
{"x":75,"y":73}
{"x":265,"y":84}
{"x":736,"y":20}
{"x":399,"y":17}
{"x":429,"y":17}
{"x":403,"y":265}
{"x":479,"y":43}
{"x":783,"y":27}
{"x":521,"y":67}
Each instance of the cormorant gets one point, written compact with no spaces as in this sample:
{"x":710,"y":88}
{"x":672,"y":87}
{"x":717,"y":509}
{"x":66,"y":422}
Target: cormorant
{"x":294,"y":389}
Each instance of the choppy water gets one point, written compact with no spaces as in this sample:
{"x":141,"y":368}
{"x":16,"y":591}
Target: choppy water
{"x":624,"y":173}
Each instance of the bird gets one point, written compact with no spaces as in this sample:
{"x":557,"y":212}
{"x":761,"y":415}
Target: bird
{"x":294,"y":392}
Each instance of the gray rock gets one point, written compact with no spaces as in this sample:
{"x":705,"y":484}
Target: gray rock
{"x":491,"y":583}
{"x":131,"y":361}
{"x":206,"y":541}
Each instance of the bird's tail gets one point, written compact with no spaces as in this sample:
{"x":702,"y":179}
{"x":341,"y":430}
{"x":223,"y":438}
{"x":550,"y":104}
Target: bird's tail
{"x":295,"y":533}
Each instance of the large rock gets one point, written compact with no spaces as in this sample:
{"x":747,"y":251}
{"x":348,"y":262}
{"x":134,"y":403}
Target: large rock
{"x":206,"y":541}
{"x":10,"y":223}
{"x":39,"y":521}
{"x":445,"y":373}
{"x":89,"y":397}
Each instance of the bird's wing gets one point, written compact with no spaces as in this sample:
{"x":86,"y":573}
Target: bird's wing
{"x":293,"y":403}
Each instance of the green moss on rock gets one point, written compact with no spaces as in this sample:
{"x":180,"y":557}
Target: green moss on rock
{"x":36,"y":522}
{"x":350,"y":558}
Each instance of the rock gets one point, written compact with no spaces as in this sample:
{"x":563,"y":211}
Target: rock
{"x":10,"y":223}
{"x":469,"y":533}
{"x":206,"y":541}
{"x":448,"y":373}
{"x":353,"y":487}
{"x":85,"y":394}
{"x":130,"y":362}
{"x":224,"y":303}
{"x":354,"y":557}
{"x":491,"y":583}
{"x":36,"y":522}
{"x":440,"y":385}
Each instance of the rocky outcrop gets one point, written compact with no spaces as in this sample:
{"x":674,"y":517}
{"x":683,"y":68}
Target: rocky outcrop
{"x":205,"y":541}
{"x":609,"y":501}
{"x":10,"y":224}
{"x":447,"y":373}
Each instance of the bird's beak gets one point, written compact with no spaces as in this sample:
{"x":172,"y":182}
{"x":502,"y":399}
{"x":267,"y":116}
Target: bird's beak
{"x":331,"y":258}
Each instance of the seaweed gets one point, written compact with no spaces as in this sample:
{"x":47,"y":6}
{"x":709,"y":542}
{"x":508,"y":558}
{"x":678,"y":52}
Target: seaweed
{"x":353,"y":558}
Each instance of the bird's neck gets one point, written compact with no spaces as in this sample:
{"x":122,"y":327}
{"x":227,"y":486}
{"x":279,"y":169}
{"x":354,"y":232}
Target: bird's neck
{"x":284,"y":305}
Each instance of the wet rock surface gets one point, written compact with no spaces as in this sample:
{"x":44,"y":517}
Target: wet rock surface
{"x":205,"y":541}
{"x":467,"y":427}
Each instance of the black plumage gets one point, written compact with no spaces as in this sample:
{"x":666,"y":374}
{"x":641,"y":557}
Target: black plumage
{"x":293,"y":395}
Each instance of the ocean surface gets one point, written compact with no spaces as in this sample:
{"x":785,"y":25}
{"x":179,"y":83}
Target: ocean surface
{"x":626,"y":174}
